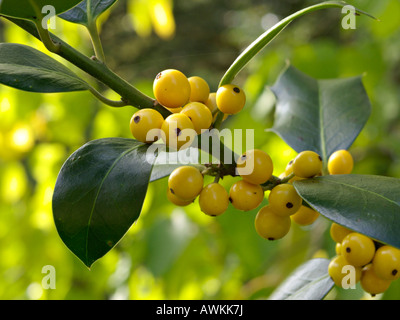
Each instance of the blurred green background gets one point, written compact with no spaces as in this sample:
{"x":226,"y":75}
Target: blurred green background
{"x":179,"y":253}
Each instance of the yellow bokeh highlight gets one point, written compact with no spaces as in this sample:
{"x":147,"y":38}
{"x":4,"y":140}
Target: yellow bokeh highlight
{"x":13,"y":182}
{"x":156,"y":15}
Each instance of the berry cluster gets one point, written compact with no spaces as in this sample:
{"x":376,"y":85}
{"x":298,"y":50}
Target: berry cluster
{"x":185,"y":184}
{"x":274,"y":220}
{"x":255,"y":168}
{"x":193,"y":109}
{"x":376,"y":265}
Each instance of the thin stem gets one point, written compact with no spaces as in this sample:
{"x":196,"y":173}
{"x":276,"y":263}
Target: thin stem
{"x":97,"y":46}
{"x":43,"y":33}
{"x":111,"y":103}
{"x":257,"y":45}
{"x":98,"y":70}
{"x":218,"y":119}
{"x":46,"y":39}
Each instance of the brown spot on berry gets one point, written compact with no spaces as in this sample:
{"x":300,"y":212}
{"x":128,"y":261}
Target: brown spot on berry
{"x":394,"y":272}
{"x":230,"y":200}
{"x":178,"y":131}
{"x":236,"y":89}
{"x":271,"y":238}
{"x":136,"y":119}
{"x":158,"y":76}
{"x":289,"y":205}
{"x":348,"y":250}
{"x":319,"y":157}
{"x":172,"y":190}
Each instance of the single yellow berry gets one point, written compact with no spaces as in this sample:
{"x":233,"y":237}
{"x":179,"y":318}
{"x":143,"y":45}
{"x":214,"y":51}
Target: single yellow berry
{"x":386,"y":263}
{"x":199,"y":89}
{"x":185,"y":182}
{"x":340,"y":162}
{"x":358,"y":249}
{"x":171,"y":88}
{"x":230,"y":99}
{"x":307,"y":164}
{"x":255,"y":166}
{"x":245,"y":196}
{"x":213,"y":199}
{"x":371,"y":283}
{"x":270,"y":225}
{"x":177,"y":201}
{"x":199,"y":114}
{"x":284,"y":199}
{"x":145,"y":125}
{"x":338,"y":232}
{"x":339,"y":268}
{"x":177,"y":131}
{"x":305,"y":216}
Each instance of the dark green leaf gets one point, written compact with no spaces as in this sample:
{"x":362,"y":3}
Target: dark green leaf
{"x":26,"y":68}
{"x":25,"y":9}
{"x":364,"y":203}
{"x":310,"y":281}
{"x":99,"y":194}
{"x":319,"y":115}
{"x":87,"y":11}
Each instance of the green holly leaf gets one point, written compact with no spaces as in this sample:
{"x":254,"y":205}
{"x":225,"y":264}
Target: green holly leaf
{"x":319,"y":115}
{"x":99,"y":194}
{"x":364,"y":203}
{"x":87,"y":11}
{"x":26,"y":68}
{"x":310,"y":281}
{"x":33,"y":9}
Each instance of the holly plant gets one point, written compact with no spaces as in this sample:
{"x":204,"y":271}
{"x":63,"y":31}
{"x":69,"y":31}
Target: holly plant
{"x":101,"y":187}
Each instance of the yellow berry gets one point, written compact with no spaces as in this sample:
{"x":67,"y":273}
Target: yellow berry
{"x":177,"y":201}
{"x":386,"y":263}
{"x":305,"y":216}
{"x":307,"y":164}
{"x":245,"y":196}
{"x":178,"y":130}
{"x":213,"y":199}
{"x":230,"y":99}
{"x":255,"y":166}
{"x":145,"y":125}
{"x":171,"y":88}
{"x":284,"y":199}
{"x":338,"y":232}
{"x":337,"y":271}
{"x":270,"y":225}
{"x":358,"y":249}
{"x":185,"y":182}
{"x":199,"y":114}
{"x":199,"y":89}
{"x":211,"y":102}
{"x":340,"y":162}
{"x":371,"y":283}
